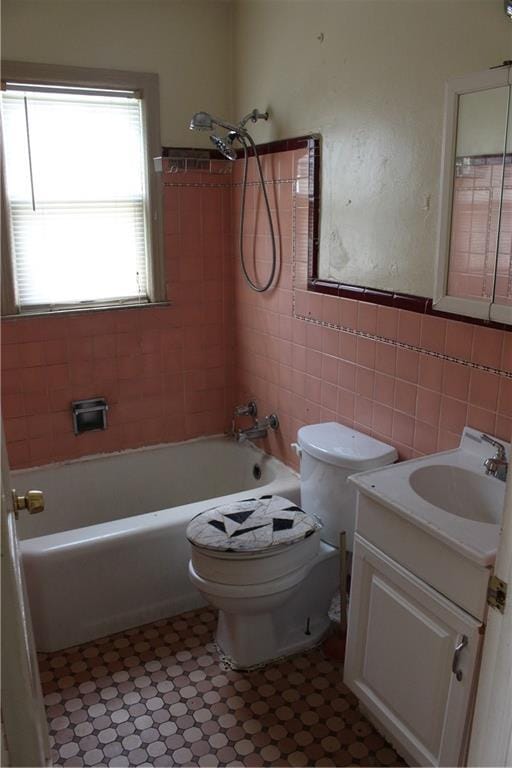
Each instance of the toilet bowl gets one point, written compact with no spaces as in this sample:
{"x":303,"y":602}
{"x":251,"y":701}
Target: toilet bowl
{"x":271,"y":568}
{"x":262,"y":621}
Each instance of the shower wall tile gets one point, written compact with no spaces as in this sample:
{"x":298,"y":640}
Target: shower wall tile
{"x":410,"y":380}
{"x":141,"y":360}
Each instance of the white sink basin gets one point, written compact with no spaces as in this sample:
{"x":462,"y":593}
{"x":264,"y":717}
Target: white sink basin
{"x":460,"y":491}
{"x":448,"y":494}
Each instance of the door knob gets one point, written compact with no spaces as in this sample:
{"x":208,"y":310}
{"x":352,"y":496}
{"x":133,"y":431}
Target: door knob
{"x":33,"y":501}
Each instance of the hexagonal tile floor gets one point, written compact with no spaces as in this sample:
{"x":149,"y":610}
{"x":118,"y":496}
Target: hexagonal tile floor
{"x":159,"y":695}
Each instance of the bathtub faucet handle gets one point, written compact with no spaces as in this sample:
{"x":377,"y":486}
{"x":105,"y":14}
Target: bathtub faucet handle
{"x":251,"y":409}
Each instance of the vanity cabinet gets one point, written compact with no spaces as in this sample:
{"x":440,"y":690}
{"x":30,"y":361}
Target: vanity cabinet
{"x":412,"y":658}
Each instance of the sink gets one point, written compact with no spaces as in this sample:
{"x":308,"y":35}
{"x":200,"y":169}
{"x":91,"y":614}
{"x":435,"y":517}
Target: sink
{"x":459,"y":491}
{"x":446,"y":494}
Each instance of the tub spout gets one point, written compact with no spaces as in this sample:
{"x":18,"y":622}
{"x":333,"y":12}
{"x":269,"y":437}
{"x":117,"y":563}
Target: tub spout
{"x":259,"y":430}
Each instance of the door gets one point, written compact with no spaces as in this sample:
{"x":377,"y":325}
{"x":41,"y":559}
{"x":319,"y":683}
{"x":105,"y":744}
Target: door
{"x":23,"y":715}
{"x":411,"y":657}
{"x":491,"y":738}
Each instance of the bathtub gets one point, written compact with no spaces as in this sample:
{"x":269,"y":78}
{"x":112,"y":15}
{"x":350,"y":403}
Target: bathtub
{"x":109,"y":551}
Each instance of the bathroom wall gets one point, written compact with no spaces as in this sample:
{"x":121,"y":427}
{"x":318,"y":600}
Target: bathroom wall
{"x":369,"y":76}
{"x":153,"y":364}
{"x":186,"y":42}
{"x":410,"y":379}
{"x":165,"y":370}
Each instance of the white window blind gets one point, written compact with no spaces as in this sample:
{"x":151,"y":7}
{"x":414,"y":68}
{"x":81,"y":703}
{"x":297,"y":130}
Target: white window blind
{"x":75,"y":175}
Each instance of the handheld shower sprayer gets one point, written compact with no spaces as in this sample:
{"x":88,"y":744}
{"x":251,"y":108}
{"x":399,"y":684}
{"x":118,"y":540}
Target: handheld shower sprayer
{"x":201,"y":121}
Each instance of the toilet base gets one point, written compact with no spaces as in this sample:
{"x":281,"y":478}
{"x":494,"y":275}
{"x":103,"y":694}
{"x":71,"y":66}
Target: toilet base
{"x":302,"y":643}
{"x":297,"y":620}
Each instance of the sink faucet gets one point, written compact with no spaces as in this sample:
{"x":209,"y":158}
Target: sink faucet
{"x":496,"y":465}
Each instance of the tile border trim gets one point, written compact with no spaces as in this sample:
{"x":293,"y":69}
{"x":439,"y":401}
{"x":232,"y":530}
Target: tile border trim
{"x":411,"y":302}
{"x":266,"y":148}
{"x":398,"y":300}
{"x":403,"y":345}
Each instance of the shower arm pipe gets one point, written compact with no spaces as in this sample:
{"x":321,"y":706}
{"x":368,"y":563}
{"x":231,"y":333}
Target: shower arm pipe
{"x":255,"y":115}
{"x":258,"y":288}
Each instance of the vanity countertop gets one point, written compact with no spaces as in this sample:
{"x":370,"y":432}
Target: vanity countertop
{"x":446,"y":494}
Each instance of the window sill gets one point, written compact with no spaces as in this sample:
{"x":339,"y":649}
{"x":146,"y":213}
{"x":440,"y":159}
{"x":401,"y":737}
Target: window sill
{"x":86,"y":310}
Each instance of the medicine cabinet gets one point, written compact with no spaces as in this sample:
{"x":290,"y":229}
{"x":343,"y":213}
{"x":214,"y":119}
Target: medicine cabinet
{"x":474,"y":260}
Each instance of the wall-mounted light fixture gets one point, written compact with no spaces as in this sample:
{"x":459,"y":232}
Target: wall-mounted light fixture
{"x":508,"y":8}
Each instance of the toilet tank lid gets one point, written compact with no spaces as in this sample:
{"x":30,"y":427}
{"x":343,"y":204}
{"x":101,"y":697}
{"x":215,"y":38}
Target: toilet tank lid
{"x":344,"y":447}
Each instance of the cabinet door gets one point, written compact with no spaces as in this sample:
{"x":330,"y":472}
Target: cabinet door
{"x":401,"y":659}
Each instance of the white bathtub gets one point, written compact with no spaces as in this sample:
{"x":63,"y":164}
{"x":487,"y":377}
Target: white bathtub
{"x":109,"y":551}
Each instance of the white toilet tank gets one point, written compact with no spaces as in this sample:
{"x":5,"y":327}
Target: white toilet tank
{"x":330,"y":453}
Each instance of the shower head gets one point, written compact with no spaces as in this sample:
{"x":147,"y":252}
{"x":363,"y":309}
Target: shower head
{"x":225,"y":145}
{"x":201,"y":121}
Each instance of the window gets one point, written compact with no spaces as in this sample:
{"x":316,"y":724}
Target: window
{"x":84,"y":219}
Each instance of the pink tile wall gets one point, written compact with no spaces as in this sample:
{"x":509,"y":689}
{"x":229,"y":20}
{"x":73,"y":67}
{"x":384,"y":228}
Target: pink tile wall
{"x":175,"y":372}
{"x":409,"y":379}
{"x":164,"y":370}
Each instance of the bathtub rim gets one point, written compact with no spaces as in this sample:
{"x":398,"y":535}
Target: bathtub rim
{"x":285,"y":478}
{"x":143,"y":448}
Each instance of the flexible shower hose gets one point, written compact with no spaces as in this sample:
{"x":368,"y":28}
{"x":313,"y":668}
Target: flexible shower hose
{"x":250,"y":282}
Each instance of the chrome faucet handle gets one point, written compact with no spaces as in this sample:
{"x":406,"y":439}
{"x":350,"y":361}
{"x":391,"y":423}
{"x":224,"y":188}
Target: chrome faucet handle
{"x":496,"y":467}
{"x":251,"y":409}
{"x":272,"y":421}
{"x":500,"y":448}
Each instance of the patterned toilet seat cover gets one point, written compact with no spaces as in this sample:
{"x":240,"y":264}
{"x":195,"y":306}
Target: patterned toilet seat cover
{"x":251,"y":525}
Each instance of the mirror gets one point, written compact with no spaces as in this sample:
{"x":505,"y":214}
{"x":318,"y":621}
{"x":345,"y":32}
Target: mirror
{"x":474,"y":270}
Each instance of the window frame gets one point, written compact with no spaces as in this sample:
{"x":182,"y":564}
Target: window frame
{"x":147,"y":85}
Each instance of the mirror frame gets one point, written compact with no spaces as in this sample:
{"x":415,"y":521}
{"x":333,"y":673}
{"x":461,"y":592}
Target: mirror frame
{"x":485,"y":309}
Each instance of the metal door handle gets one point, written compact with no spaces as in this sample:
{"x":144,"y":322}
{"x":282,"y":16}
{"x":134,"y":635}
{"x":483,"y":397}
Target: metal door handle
{"x":456,"y":656}
{"x":33,"y":501}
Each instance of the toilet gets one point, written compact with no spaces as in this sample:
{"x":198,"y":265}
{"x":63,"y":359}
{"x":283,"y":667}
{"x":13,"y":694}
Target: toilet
{"x":330,"y":453}
{"x":270,"y":567}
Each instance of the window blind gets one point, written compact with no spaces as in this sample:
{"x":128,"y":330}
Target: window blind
{"x":75,"y":174}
